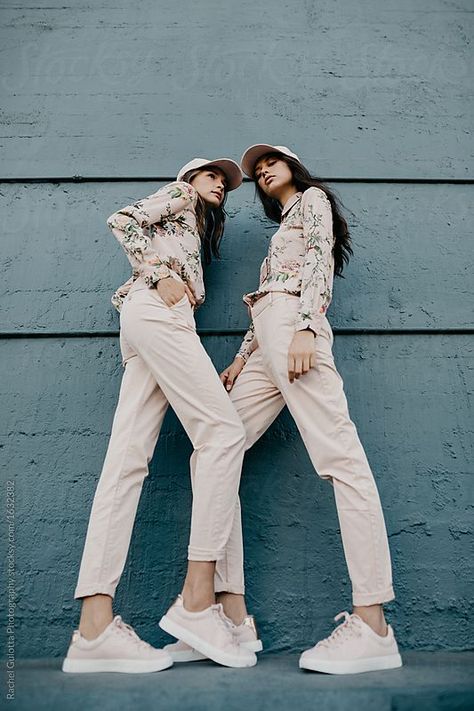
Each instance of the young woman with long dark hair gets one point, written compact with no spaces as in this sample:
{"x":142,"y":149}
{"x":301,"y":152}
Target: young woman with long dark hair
{"x":165,"y":363}
{"x":286,"y":359}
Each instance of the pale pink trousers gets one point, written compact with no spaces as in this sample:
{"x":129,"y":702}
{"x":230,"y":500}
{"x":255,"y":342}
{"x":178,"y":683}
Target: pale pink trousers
{"x":319,"y":407}
{"x":165,"y":363}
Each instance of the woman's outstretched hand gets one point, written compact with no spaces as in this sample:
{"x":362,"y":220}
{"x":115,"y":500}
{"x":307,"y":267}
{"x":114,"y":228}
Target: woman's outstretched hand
{"x":171,"y":291}
{"x":300,"y":354}
{"x":229,"y":375}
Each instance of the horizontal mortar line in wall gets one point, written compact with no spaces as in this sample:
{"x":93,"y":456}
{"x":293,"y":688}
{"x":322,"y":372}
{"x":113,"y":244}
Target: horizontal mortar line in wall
{"x":164,"y":178}
{"x":242,"y":331}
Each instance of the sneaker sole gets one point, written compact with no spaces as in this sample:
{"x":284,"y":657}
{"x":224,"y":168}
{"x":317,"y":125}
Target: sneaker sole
{"x":394,"y":661}
{"x":253,"y":645}
{"x":124,"y":666}
{"x":217,"y":655}
{"x":191,"y":656}
{"x":195,"y":656}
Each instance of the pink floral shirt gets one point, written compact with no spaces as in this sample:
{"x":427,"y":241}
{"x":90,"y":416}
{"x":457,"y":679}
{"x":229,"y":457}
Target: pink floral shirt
{"x":300,"y":261}
{"x":161,"y":229}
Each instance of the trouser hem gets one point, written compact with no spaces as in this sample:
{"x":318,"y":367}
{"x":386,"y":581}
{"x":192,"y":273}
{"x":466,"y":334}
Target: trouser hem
{"x":96,"y":589}
{"x":373,"y":598}
{"x":229,"y":588}
{"x":201,"y":554}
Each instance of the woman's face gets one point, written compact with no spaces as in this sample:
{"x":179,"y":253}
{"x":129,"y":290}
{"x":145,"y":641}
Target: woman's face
{"x":211,"y":185}
{"x":272,"y":175}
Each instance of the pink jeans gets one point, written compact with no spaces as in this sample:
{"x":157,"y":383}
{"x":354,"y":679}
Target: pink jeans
{"x":165,"y":363}
{"x":319,"y":407}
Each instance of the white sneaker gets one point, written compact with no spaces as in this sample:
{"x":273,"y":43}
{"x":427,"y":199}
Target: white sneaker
{"x":117,"y":649}
{"x":207,"y":632}
{"x":245,"y":634}
{"x":181,"y":652}
{"x":353,"y":647}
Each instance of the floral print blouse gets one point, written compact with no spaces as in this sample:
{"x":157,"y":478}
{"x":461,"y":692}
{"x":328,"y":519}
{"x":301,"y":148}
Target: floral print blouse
{"x":161,"y":229}
{"x":300,"y":261}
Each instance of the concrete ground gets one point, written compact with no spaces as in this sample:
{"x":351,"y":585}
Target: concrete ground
{"x":428,"y":681}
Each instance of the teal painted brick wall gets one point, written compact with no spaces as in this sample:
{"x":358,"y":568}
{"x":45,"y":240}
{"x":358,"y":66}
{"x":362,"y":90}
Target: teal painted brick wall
{"x":374,"y":91}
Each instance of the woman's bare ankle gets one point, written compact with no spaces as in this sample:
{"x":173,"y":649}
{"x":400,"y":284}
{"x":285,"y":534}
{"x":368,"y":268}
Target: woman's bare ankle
{"x":234,"y":606}
{"x":96,"y":615}
{"x":197,"y":600}
{"x":373,"y":615}
{"x":198,"y":589}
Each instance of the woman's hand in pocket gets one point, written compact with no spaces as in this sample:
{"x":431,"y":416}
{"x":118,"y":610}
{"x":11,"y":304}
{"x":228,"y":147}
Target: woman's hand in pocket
{"x":229,"y":375}
{"x":171,"y":291}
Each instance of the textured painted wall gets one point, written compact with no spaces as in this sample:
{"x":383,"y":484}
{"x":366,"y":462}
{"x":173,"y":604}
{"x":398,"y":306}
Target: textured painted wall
{"x":373,"y":90}
{"x":370,"y":88}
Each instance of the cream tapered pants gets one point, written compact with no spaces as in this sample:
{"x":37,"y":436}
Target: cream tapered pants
{"x":165,"y":363}
{"x":319,"y":407}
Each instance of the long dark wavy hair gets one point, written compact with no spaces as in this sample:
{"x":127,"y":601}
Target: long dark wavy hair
{"x":209,"y":219}
{"x":302,"y":179}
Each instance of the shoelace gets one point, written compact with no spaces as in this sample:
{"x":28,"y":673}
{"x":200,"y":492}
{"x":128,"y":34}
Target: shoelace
{"x":348,"y":629}
{"x":130,"y":632}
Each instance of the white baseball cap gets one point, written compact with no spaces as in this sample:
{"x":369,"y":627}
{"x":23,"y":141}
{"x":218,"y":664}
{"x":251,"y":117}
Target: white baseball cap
{"x":229,"y":167}
{"x":253,"y":153}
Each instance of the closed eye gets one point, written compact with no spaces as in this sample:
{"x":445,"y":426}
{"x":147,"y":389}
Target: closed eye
{"x":214,"y":175}
{"x":269,"y":163}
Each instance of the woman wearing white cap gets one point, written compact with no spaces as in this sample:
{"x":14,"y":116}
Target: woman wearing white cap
{"x":165,"y":363}
{"x":286,"y":358}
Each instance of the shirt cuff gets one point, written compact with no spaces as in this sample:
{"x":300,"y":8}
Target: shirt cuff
{"x":305,"y":321}
{"x":243,"y":353}
{"x":152,"y":278}
{"x":247,"y":348}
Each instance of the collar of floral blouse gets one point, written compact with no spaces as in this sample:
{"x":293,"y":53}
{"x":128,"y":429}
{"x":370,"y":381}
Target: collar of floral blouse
{"x":290,"y":202}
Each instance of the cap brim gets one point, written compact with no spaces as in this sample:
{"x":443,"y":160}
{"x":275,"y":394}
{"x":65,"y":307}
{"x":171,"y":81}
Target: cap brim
{"x":231,"y":170}
{"x":252,"y":154}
